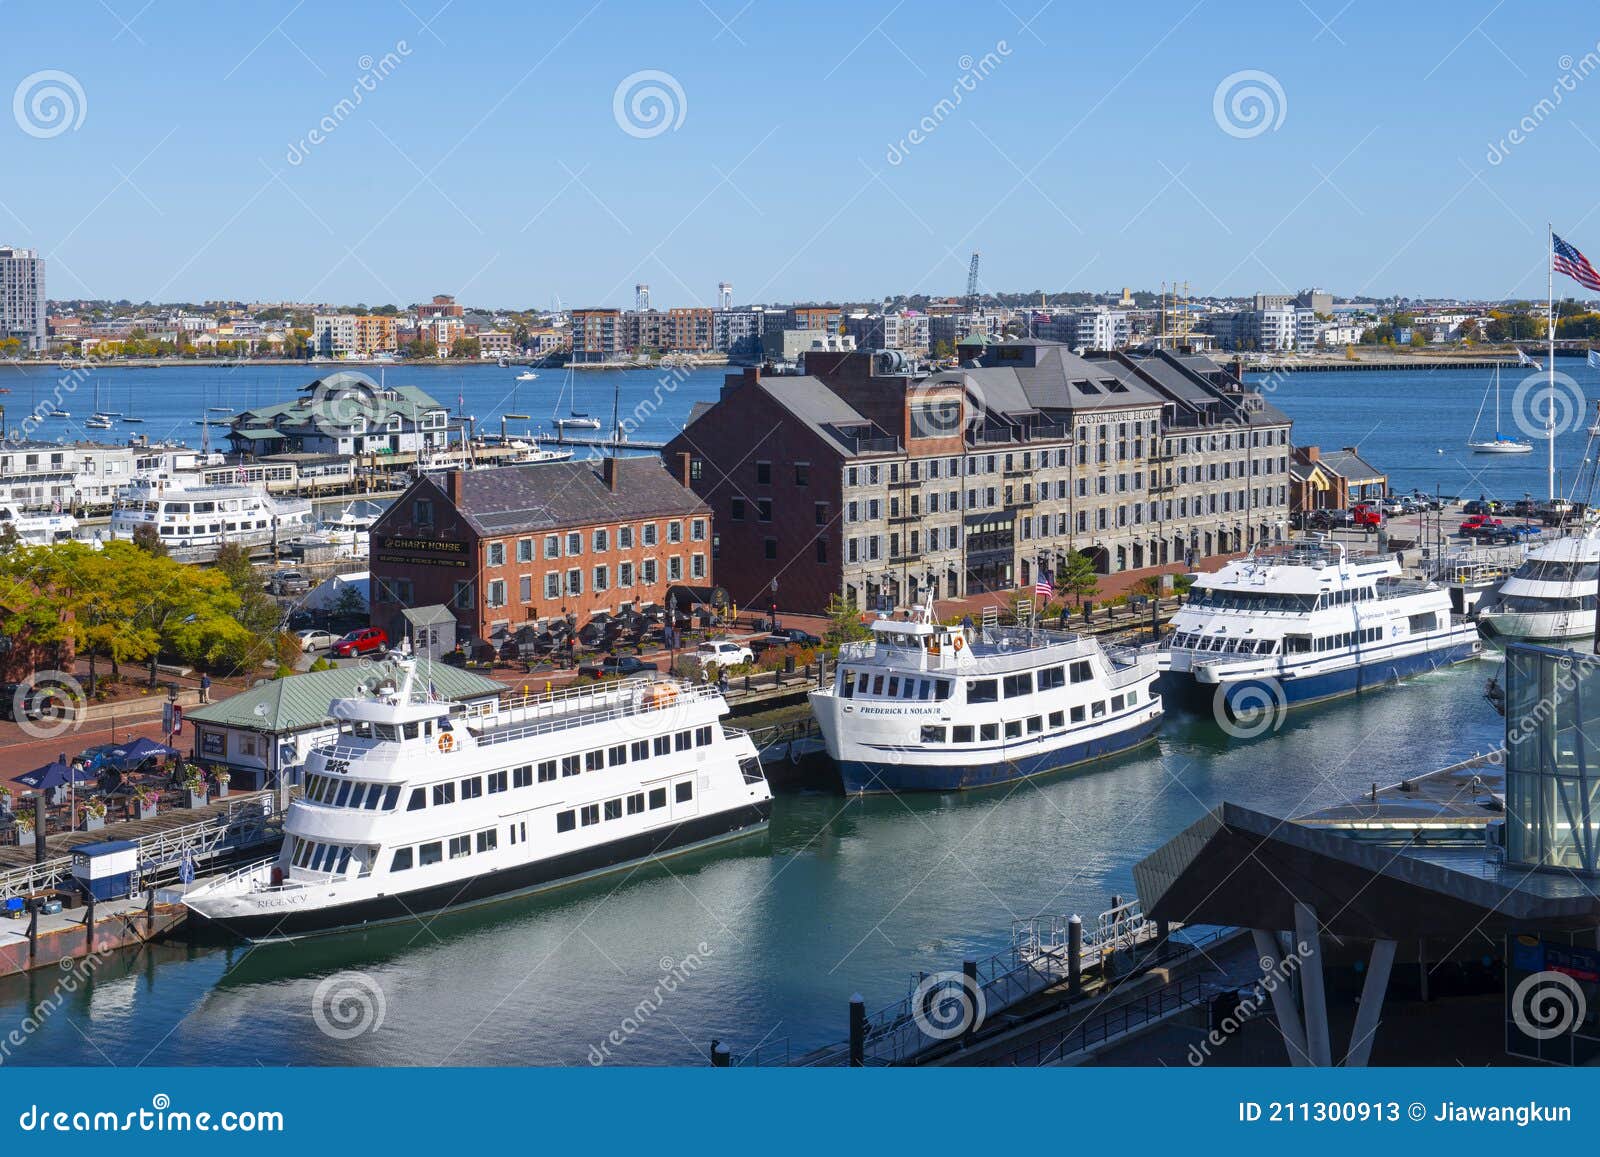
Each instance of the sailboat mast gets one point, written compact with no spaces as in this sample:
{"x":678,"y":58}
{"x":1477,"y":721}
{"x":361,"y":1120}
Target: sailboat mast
{"x":1550,"y":389}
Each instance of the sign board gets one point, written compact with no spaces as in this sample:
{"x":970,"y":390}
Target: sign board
{"x":409,"y":551}
{"x":214,"y":744}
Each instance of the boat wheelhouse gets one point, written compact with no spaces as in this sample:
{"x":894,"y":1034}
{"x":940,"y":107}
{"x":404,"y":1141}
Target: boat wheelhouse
{"x":1308,"y":622}
{"x":190,"y":515}
{"x":1550,"y":596}
{"x":927,"y":707}
{"x":420,"y":805}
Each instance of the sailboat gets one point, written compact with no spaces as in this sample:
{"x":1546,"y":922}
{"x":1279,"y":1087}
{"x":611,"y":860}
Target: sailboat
{"x":579,"y":420}
{"x":1500,"y":443}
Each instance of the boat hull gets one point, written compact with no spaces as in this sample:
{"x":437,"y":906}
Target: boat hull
{"x":1249,"y":694}
{"x":1538,"y":625}
{"x":507,"y":883}
{"x":864,"y":777}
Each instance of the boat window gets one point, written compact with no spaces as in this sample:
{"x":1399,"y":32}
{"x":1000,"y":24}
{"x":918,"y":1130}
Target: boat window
{"x":658,"y":798}
{"x":385,"y":732}
{"x":374,"y":798}
{"x":566,"y":821}
{"x":460,"y":847}
{"x":1117,"y":702}
{"x":391,"y":796}
{"x":1081,"y":672}
{"x":982,"y":691}
{"x":961,"y":734}
{"x":589,"y":814}
{"x":1051,"y":678}
{"x":988,"y":732}
{"x":472,"y":788}
{"x":547,"y":774}
{"x":894,"y":686}
{"x":661,"y":745}
{"x":1098,"y":709}
{"x":1133,"y":697}
{"x":702,"y":736}
{"x":1016,"y":685}
{"x":497,"y":781}
{"x":877,"y":684}
{"x":847,"y":684}
{"x":924,"y":688}
{"x":444,"y":793}
{"x":401,"y":861}
{"x":418,"y":800}
{"x":1035,"y":724}
{"x":941,"y":689}
{"x":344,"y":795}
{"x":361,"y":729}
{"x":1423,"y":622}
{"x":1058,"y":719}
{"x":488,"y":840}
{"x":614,"y":809}
{"x":410,"y":730}
{"x":571,"y":765}
{"x":682,"y":741}
{"x":932,"y":734}
{"x":636,"y":803}
{"x":683,"y":792}
{"x":1013,"y":729}
{"x":1079,"y":714}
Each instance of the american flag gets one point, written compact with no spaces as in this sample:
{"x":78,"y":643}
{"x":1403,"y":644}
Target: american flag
{"x":1575,"y":265}
{"x":1044,"y":588}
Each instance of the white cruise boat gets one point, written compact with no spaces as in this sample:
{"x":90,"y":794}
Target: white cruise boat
{"x":350,"y":531}
{"x":189,"y":514}
{"x":1550,"y":596}
{"x":419,"y":806}
{"x":37,"y":529}
{"x":1298,"y":624}
{"x":926,"y":707}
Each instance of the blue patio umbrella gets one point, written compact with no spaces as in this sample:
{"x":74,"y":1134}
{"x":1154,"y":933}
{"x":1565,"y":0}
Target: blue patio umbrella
{"x":55,"y":774}
{"x":140,"y":750}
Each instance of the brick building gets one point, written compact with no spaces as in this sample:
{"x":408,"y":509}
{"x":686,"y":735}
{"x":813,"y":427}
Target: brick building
{"x":865,"y":480}
{"x":510,"y":545}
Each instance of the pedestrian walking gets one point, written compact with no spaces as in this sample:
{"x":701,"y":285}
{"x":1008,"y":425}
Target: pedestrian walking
{"x":205,"y":688}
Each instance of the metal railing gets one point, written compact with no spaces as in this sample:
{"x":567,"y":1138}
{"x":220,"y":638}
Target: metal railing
{"x":245,"y":823}
{"x":1152,"y":1008}
{"x":627,"y":702}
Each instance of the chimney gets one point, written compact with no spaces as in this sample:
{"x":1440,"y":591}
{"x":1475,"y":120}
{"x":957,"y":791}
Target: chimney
{"x":1310,"y":453}
{"x":608,"y":471}
{"x":452,"y":487}
{"x":683,"y":468}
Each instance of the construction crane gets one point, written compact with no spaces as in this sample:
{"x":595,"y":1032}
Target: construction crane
{"x":972,"y":284}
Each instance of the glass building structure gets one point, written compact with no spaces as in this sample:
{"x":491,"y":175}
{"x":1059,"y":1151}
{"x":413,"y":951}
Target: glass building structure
{"x":1552,"y":759}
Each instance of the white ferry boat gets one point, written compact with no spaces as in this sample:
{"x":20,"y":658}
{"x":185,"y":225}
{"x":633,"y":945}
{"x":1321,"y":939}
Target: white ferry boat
{"x":189,"y":514}
{"x":928,"y":707}
{"x":420,"y":806}
{"x":37,"y":529}
{"x":1550,"y":596}
{"x":1309,"y":622}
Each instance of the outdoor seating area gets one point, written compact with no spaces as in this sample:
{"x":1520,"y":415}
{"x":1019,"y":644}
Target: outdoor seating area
{"x":103,"y":785}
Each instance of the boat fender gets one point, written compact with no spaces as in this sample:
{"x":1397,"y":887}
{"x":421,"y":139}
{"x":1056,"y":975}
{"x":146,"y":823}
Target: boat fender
{"x":446,"y":741}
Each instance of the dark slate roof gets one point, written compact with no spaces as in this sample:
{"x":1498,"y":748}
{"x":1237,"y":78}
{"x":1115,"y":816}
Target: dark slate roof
{"x":1059,"y":380}
{"x":827,"y":414}
{"x":551,"y":495}
{"x":1350,"y":466}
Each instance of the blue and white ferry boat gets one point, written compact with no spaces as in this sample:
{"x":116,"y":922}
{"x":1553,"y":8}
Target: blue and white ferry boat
{"x":1305,"y":623}
{"x":928,"y":707}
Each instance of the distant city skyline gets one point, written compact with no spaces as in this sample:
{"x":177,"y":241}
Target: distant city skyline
{"x":844,"y":152}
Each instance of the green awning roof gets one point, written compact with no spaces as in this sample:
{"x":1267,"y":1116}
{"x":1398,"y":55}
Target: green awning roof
{"x":300,"y":702}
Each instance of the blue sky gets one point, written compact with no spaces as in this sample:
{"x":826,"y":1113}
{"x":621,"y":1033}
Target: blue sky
{"x":489,"y":161}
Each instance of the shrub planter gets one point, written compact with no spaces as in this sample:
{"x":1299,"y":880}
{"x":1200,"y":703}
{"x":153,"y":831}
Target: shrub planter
{"x":222,"y":789}
{"x":93,"y":823}
{"x":145,"y":810}
{"x":197,"y":798}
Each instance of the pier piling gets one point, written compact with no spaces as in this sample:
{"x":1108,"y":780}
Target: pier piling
{"x":40,"y":839}
{"x":858,"y":1031}
{"x":1075,"y":955}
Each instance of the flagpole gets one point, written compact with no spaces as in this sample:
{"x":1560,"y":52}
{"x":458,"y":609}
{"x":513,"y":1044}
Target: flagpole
{"x":1550,"y":390}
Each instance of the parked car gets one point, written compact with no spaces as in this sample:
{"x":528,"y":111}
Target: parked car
{"x":1484,"y":529}
{"x":1474,"y":521}
{"x":1398,"y":504}
{"x":315,"y":640}
{"x":1329,"y":519}
{"x":797,"y":636}
{"x":362,"y":642}
{"x":616,"y":667}
{"x":288,"y":582}
{"x":1480,"y":506}
{"x":1526,"y":530}
{"x":723,"y":652}
{"x":1366,"y":514}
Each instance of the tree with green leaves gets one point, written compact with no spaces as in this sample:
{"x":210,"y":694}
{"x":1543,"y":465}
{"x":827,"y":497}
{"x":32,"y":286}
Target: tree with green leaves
{"x":1078,"y":578}
{"x":845,"y":624}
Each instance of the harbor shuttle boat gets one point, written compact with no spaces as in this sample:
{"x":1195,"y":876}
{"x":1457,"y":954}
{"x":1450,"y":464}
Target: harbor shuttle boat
{"x":419,"y":805}
{"x":927,"y":707}
{"x":1550,"y":596}
{"x":1299,"y":624}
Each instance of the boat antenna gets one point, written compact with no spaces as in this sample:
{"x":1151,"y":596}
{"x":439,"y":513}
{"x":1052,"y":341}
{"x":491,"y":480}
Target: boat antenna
{"x":1550,"y":390}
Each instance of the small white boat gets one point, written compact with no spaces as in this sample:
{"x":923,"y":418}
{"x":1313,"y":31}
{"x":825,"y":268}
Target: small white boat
{"x":527,"y":376}
{"x":131,"y":418}
{"x":97,"y":423}
{"x":579,"y":422}
{"x":1500,"y":444}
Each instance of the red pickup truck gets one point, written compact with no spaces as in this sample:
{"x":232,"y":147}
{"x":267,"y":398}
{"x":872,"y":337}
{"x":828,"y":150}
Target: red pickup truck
{"x":1366,"y":514}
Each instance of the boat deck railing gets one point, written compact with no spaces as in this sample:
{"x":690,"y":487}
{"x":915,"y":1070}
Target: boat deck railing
{"x":532,"y":715}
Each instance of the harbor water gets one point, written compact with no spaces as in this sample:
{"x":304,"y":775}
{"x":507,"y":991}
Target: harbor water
{"x":763,"y":941}
{"x":760,"y":942}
